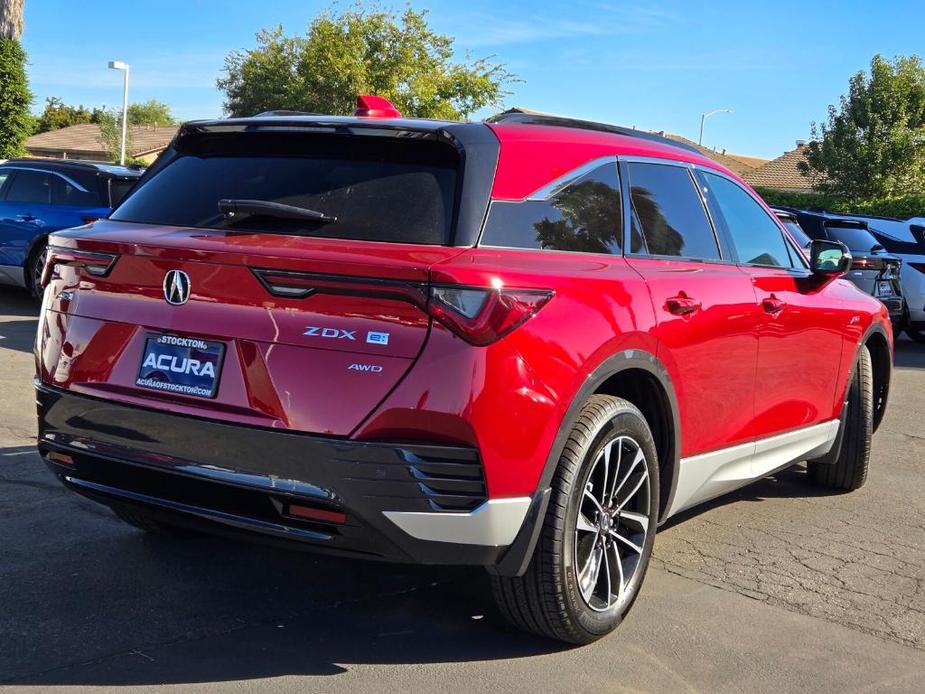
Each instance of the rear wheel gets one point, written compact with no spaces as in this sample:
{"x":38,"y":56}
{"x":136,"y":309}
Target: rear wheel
{"x":849,"y":471}
{"x":144,"y":521}
{"x":598,"y":533}
{"x":34,"y":268}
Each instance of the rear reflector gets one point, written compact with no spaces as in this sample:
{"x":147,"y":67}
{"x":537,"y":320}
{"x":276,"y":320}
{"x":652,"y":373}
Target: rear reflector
{"x":96,"y":264}
{"x":317,"y":514}
{"x":918,"y":266}
{"x":60,"y":458}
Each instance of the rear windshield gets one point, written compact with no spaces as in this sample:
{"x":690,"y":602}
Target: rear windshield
{"x":797,"y":232}
{"x":856,"y":239}
{"x":377,"y":188}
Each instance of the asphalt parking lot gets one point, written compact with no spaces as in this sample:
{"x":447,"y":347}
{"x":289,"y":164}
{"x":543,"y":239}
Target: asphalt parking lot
{"x":775,"y":588}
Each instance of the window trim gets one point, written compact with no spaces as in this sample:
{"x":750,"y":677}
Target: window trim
{"x":792,"y":250}
{"x":624,"y":161}
{"x":49,"y":172}
{"x":552,"y":189}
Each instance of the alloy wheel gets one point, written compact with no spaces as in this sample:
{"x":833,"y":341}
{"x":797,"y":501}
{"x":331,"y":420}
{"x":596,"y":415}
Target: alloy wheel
{"x":612,"y":524}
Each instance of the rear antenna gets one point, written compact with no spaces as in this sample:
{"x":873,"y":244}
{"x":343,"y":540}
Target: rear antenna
{"x":372,"y":106}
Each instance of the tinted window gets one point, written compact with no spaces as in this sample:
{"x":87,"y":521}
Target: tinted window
{"x":797,"y":232}
{"x":669,"y":211}
{"x":756,"y":237}
{"x":29,"y":186}
{"x":3,"y":176}
{"x":379,"y":189}
{"x":64,"y":193}
{"x":585,"y":216}
{"x":855,"y":239}
{"x":119,"y":188}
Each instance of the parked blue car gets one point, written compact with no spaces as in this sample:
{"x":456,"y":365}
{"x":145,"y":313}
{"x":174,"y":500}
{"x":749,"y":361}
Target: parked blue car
{"x":39,"y":196}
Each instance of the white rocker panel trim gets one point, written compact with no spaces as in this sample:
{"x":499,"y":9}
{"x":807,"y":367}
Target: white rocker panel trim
{"x":493,"y":524}
{"x":706,"y":476}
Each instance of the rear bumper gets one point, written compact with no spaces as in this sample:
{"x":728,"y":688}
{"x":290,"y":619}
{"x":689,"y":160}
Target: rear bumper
{"x":394,"y":502}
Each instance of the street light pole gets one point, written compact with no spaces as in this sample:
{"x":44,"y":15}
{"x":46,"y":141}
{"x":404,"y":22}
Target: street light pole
{"x":704,"y":116}
{"x":119,"y":65}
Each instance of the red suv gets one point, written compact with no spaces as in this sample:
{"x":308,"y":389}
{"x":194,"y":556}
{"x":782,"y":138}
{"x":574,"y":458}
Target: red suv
{"x":521,"y":344}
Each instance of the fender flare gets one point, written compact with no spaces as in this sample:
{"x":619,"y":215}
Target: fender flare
{"x":616,"y":363}
{"x":516,"y":560}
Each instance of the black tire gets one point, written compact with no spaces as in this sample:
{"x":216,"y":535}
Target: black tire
{"x":548,"y":599}
{"x":143,"y":521}
{"x":33,"y":269}
{"x":915,"y":335}
{"x":849,"y":471}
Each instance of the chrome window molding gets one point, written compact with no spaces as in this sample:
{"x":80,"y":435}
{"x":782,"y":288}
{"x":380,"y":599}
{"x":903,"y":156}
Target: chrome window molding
{"x":70,"y":181}
{"x":566,"y":179}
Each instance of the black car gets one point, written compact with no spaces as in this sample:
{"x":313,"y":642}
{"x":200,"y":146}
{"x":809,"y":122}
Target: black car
{"x":873,"y":269}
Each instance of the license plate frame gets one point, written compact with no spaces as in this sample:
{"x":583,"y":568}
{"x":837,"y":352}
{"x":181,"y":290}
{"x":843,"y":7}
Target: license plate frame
{"x":180,"y":365}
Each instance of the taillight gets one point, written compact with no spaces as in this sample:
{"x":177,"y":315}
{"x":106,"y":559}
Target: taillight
{"x":918,"y":266}
{"x":481,"y":316}
{"x":88,"y":220}
{"x":96,"y":264}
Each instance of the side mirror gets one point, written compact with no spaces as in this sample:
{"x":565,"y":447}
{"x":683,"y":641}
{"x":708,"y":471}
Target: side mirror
{"x":829,"y":258}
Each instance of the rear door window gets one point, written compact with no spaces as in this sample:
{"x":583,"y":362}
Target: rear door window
{"x":584,"y":216}
{"x":65,"y":192}
{"x":757,"y":238}
{"x":30,"y":186}
{"x":668,"y":215}
{"x":376,"y":188}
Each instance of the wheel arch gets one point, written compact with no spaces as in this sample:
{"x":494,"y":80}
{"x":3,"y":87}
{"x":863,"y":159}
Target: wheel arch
{"x":881,"y":358}
{"x":640,"y":378}
{"x":34,"y":247}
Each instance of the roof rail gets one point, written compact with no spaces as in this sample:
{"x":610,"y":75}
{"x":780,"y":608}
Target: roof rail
{"x":285,"y":112}
{"x":528,"y":117}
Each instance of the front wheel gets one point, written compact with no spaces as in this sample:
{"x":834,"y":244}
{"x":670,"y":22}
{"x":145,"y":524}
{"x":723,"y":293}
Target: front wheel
{"x":849,"y":471}
{"x":598,"y":533}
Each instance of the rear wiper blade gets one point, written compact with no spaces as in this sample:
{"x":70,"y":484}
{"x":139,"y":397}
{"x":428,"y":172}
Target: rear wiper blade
{"x":235,"y":208}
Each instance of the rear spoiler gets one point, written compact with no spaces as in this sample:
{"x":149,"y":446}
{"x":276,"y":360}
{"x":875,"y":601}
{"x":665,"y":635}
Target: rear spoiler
{"x":845,"y":223}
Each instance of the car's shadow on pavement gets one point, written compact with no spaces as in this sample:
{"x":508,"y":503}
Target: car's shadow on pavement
{"x":88,"y":600}
{"x":908,"y":354}
{"x":18,"y":335}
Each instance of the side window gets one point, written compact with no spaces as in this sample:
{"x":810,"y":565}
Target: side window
{"x":756,"y":237}
{"x":4,"y":176}
{"x":585,"y":216}
{"x":29,"y":186}
{"x":63,"y":193}
{"x":669,"y":213}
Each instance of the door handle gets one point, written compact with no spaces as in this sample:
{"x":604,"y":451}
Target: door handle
{"x":773,"y":305}
{"x":682,"y":305}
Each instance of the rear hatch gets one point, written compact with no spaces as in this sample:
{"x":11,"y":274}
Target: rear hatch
{"x":260,"y":316}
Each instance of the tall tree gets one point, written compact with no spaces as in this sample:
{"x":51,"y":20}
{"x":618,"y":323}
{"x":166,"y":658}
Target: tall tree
{"x":58,"y":114}
{"x":361,"y":51}
{"x":873,"y":144}
{"x":15,"y":98}
{"x":150,"y":112}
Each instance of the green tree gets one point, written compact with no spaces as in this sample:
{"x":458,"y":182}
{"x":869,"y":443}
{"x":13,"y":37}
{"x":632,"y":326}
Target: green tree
{"x":361,"y":51}
{"x":873,"y":144}
{"x":150,"y":112}
{"x":15,"y":120}
{"x":57,"y":115}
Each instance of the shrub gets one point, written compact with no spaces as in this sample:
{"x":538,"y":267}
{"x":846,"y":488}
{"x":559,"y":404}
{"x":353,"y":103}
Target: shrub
{"x":901,"y":207}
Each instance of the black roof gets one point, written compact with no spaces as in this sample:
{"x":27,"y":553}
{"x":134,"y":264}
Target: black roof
{"x":104,"y":167}
{"x":526,"y":117}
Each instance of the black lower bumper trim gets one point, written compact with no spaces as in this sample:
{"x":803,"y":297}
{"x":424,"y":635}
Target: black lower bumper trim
{"x":215,"y":474}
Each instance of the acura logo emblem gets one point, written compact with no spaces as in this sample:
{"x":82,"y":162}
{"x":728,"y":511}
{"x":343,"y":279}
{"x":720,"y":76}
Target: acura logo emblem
{"x":176,"y":287}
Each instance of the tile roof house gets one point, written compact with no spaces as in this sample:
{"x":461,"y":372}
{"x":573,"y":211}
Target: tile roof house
{"x":83,"y":142}
{"x":782,"y":173}
{"x":739,"y":163}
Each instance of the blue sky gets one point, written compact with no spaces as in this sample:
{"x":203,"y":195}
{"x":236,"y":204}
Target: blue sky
{"x":647,"y":64}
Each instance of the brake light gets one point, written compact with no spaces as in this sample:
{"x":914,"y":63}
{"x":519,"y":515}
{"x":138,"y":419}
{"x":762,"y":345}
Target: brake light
{"x":481,"y":316}
{"x":96,"y":264}
{"x":88,"y":219}
{"x":918,"y":266}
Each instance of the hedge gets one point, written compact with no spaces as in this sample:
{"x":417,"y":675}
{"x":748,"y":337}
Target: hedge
{"x":901,"y":207}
